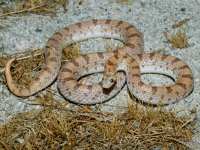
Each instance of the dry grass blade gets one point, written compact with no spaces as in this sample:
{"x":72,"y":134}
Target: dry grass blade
{"x":4,"y":146}
{"x":22,"y":11}
{"x":180,"y":23}
{"x":127,"y":2}
{"x":35,"y":6}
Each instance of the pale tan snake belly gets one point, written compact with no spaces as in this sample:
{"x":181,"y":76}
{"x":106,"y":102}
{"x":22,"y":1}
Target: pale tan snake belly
{"x":134,"y":65}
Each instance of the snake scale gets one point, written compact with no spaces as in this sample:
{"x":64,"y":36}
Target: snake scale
{"x":130,"y":59}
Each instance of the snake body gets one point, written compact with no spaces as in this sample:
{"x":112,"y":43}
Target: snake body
{"x":152,"y":63}
{"x":131,"y":55}
{"x":85,"y":93}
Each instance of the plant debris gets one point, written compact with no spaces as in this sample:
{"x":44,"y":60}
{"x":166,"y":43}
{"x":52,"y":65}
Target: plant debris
{"x":179,"y":24}
{"x":34,"y":6}
{"x":127,"y":2}
{"x":25,"y":70}
{"x":177,"y":40}
{"x":71,"y":51}
{"x":27,"y":65}
{"x":51,"y":128}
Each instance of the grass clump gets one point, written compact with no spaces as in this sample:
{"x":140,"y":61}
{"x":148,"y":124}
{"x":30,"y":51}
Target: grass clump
{"x":71,"y":51}
{"x":51,"y":128}
{"x":178,"y":40}
{"x":27,"y":65}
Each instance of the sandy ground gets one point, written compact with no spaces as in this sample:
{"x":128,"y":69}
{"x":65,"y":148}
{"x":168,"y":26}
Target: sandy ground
{"x":150,"y":17}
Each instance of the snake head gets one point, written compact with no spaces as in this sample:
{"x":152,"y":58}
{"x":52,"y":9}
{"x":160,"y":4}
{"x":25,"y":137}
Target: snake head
{"x":108,"y":82}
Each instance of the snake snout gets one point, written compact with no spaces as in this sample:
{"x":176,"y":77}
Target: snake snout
{"x":108,"y":83}
{"x":108,"y":90}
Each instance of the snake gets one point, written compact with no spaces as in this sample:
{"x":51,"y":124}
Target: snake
{"x":124,"y":65}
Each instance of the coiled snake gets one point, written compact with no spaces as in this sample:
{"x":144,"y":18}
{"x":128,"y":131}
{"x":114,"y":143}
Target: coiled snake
{"x":129,"y":58}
